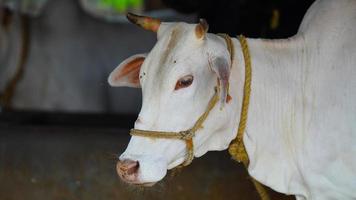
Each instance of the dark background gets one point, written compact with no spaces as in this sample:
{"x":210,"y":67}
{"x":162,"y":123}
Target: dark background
{"x":249,"y":17}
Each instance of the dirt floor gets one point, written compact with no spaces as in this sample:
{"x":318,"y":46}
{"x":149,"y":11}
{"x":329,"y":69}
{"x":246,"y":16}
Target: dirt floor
{"x":79,"y":163}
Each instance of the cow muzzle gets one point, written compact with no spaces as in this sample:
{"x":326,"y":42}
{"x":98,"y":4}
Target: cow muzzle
{"x":141,"y":170}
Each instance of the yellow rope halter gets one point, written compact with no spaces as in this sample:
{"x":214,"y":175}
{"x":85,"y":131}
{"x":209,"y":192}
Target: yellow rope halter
{"x":187,"y":135}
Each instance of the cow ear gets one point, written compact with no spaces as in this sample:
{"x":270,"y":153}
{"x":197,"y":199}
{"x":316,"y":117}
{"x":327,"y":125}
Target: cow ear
{"x":127,"y":74}
{"x":222,"y":69}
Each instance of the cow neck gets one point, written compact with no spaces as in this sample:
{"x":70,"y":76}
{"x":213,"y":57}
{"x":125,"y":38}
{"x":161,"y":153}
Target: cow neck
{"x":237,"y":148}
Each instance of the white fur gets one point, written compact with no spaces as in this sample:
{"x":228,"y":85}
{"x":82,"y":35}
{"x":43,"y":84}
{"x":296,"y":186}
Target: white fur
{"x":301,"y":137}
{"x":301,"y":133}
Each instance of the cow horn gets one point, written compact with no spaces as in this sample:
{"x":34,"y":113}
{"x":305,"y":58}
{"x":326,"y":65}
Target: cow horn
{"x":201,"y":28}
{"x":147,"y":23}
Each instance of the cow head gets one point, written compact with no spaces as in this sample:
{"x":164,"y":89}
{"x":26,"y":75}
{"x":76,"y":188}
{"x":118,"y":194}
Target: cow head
{"x":177,"y":78}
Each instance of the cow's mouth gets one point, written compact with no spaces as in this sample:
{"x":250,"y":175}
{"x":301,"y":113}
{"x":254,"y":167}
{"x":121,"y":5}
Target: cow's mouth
{"x":136,"y":182}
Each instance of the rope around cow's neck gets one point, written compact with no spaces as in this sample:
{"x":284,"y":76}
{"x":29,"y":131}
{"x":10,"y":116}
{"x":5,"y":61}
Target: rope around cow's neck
{"x":237,"y":148}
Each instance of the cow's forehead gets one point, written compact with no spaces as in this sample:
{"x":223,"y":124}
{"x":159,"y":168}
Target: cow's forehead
{"x":170,"y":42}
{"x":172,"y":45}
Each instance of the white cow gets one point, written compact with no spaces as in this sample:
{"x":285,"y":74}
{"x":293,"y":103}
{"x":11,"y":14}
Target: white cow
{"x":301,"y":132}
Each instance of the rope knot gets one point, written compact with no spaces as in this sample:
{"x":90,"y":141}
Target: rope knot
{"x":187,"y":135}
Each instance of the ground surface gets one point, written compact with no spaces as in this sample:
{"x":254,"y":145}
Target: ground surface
{"x":73,"y":162}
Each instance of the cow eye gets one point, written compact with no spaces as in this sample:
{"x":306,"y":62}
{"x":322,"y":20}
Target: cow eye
{"x":184,"y":82}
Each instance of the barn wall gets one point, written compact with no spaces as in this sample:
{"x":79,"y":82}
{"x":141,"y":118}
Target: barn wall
{"x":70,"y":57}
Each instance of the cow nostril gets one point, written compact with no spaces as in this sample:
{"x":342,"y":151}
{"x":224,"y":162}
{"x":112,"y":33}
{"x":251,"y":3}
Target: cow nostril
{"x":127,"y":167}
{"x":133,"y":168}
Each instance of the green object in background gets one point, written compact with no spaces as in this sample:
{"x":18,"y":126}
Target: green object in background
{"x":122,"y":5}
